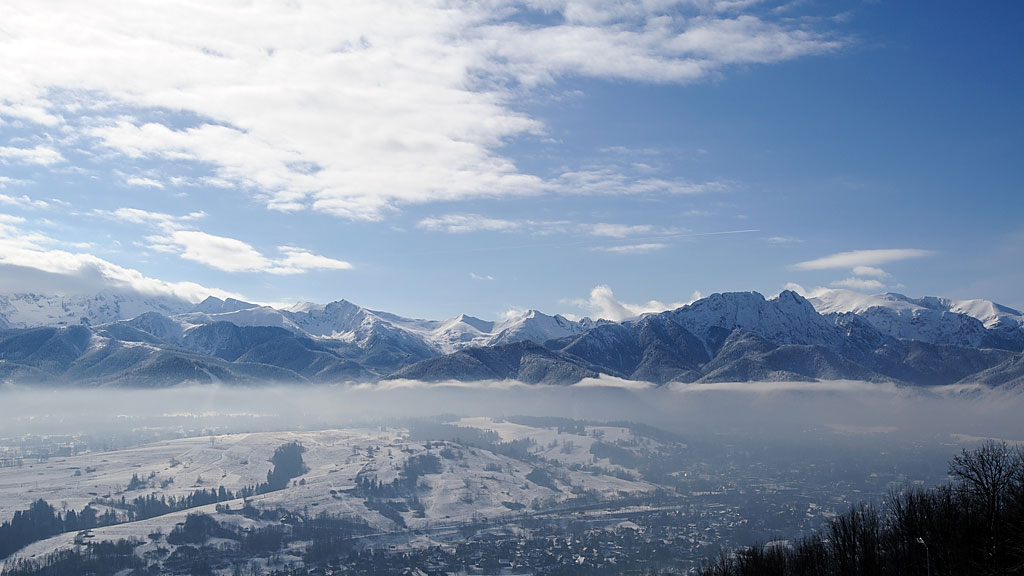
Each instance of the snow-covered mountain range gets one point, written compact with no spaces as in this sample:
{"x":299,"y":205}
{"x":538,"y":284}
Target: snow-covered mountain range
{"x":977,"y":323}
{"x":131,"y":339}
{"x":340,"y":320}
{"x":28,"y":310}
{"x":347,"y":322}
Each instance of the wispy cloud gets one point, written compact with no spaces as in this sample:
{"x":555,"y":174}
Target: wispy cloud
{"x":358,"y":108}
{"x":227,"y":254}
{"x":860,"y":258}
{"x":631,"y":248}
{"x":148,"y":217}
{"x":31,"y":263}
{"x":143,"y":182}
{"x":476,"y":276}
{"x":782,"y":240}
{"x":463,"y":223}
{"x":41,"y":155}
{"x":619,"y":230}
{"x":231,"y":255}
{"x":860,"y":284}
{"x":620,"y":181}
{"x":8,"y":219}
{"x":23,"y":201}
{"x":870,"y":271}
{"x":218,"y":252}
{"x":298,"y":260}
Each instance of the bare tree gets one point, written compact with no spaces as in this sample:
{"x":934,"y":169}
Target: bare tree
{"x":991,"y":472}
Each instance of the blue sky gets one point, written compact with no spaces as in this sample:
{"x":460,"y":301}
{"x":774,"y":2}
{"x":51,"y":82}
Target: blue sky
{"x":589,"y":158}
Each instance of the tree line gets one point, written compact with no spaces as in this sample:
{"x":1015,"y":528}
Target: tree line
{"x":972,"y":526}
{"x":41,"y":520}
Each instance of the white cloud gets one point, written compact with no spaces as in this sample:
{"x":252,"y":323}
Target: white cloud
{"x":143,"y":182}
{"x":631,"y":248}
{"x":513,"y":312}
{"x":231,"y":255}
{"x":220,"y":252}
{"x":870,"y":271}
{"x":361,"y":107}
{"x":603,"y":304}
{"x":794,"y":287}
{"x":617,"y":181}
{"x":857,"y":258}
{"x":476,"y":276}
{"x":41,"y":155}
{"x":462,"y":223}
{"x":22,"y":201}
{"x":619,"y":230}
{"x":859,"y":284}
{"x":782,"y":240}
{"x":651,"y":42}
{"x":8,"y":219}
{"x":227,"y":254}
{"x":157,"y":219}
{"x":30,"y":265}
{"x":298,"y":260}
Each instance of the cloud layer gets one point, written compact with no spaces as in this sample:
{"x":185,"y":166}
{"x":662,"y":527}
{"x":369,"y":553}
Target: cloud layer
{"x":32,"y":261}
{"x":219,"y":252}
{"x":355,"y":108}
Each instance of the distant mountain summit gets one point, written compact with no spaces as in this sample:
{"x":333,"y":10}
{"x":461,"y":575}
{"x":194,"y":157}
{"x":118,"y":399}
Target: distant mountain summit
{"x":127,"y":339}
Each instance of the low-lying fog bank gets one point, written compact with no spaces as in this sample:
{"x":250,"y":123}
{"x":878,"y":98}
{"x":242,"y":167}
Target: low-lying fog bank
{"x":763,"y":409}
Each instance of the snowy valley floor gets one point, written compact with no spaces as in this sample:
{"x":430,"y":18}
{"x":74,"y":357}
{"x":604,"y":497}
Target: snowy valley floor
{"x":686,"y":470}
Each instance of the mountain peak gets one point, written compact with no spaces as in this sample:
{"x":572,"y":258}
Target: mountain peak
{"x":214,"y":305}
{"x":474,"y":322}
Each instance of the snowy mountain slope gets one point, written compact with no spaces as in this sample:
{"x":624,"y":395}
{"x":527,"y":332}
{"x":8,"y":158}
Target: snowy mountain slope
{"x":786,"y":319}
{"x":746,"y":357}
{"x":214,"y":305}
{"x":522,"y":361}
{"x":733,"y":336}
{"x":465,"y":483}
{"x":1009,"y":374}
{"x":460,"y":332}
{"x":347,"y":322}
{"x":653,"y":348}
{"x":974,"y":323}
{"x":78,"y":355}
{"x":538,"y":327}
{"x":925,"y":341}
{"x":254,"y":316}
{"x":28,"y":310}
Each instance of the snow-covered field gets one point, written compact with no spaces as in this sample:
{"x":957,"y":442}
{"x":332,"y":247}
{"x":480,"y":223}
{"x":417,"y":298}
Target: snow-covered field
{"x":473,"y":484}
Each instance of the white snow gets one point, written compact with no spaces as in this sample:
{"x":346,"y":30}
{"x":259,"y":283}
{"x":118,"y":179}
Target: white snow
{"x":473,"y":482}
{"x":28,"y":310}
{"x":786,"y":319}
{"x":937,"y":320}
